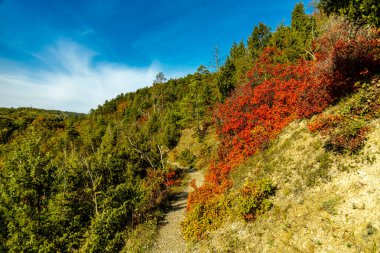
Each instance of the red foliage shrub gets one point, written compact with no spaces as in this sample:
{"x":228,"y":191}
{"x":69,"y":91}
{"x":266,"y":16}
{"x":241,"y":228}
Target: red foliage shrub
{"x":342,"y":142}
{"x":275,"y":96}
{"x":351,"y":61}
{"x":155,"y":188}
{"x":172,"y":178}
{"x":216,"y":182}
{"x":279,"y":93}
{"x":254,"y":115}
{"x":345,"y":55}
{"x":324,"y":122}
{"x":157,"y":185}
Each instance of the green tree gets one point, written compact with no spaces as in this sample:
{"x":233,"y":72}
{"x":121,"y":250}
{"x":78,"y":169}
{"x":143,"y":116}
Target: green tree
{"x":299,"y":18}
{"x":7,"y":126}
{"x":120,"y":210}
{"x":172,"y":129}
{"x":295,"y":41}
{"x":241,"y":59}
{"x":226,"y":80}
{"x":26,"y":190}
{"x":160,"y":78}
{"x":358,"y":11}
{"x":258,"y":40}
{"x":199,"y":94}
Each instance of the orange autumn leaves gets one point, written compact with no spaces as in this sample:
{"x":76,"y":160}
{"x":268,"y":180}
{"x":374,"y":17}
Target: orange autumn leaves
{"x":256,"y":113}
{"x":277,"y":94}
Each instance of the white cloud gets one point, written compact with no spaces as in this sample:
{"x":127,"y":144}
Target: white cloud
{"x":73,"y":81}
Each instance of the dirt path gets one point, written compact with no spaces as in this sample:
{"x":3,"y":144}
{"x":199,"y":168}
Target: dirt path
{"x":170,"y":238}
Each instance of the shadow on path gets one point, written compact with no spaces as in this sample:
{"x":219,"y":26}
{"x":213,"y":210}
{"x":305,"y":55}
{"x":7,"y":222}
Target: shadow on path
{"x":170,"y":239}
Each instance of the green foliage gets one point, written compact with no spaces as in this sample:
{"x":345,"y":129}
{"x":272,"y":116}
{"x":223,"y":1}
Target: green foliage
{"x":348,"y":137}
{"x":253,"y":198}
{"x":324,"y":162}
{"x":7,"y":126}
{"x":72,"y":133}
{"x":171,"y":131}
{"x":226,"y":81}
{"x":209,"y":215}
{"x":360,"y":12}
{"x":120,"y":209}
{"x":186,"y":157}
{"x":295,"y":41}
{"x":83,"y":183}
{"x":141,"y":238}
{"x":199,"y":99}
{"x":204,"y":218}
{"x":365,"y":102}
{"x":240,"y":57}
{"x":258,"y":40}
{"x":237,"y":51}
{"x":3,"y":231}
{"x":346,"y":132}
{"x":299,"y":18}
{"x":330,"y":206}
{"x":371,"y":230}
{"x":26,"y":191}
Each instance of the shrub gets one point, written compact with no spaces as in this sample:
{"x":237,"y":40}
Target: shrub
{"x":342,"y":134}
{"x":156,"y":188}
{"x":205,"y":217}
{"x":347,"y":131}
{"x":253,"y":199}
{"x":349,"y":138}
{"x":276,"y":95}
{"x":324,"y":122}
{"x":346,"y":54}
{"x":216,"y":182}
{"x":365,"y":103}
{"x":186,"y":157}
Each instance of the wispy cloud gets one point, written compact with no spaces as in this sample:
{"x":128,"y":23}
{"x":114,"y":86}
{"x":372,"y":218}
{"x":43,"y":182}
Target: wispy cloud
{"x":72,"y":80}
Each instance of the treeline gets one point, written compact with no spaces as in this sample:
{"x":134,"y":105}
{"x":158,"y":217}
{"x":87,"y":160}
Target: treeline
{"x":72,"y":182}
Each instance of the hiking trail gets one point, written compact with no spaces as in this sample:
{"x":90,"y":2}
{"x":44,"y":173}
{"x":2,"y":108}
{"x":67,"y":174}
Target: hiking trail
{"x":170,"y":238}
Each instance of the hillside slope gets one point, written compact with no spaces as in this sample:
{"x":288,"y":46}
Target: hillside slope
{"x":326,"y":201}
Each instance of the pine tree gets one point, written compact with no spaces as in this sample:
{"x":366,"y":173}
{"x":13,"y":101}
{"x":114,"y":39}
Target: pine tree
{"x":226,"y":80}
{"x":258,"y":39}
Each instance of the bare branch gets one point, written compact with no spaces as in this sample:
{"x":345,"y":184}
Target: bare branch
{"x":145,"y":113}
{"x":141,"y":152}
{"x":311,"y":54}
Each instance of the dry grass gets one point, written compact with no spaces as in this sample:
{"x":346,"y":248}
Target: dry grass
{"x":325,"y":202}
{"x":141,"y":239}
{"x":203,"y":151}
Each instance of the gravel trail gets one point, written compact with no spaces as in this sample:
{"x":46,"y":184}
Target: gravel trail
{"x":170,"y":239}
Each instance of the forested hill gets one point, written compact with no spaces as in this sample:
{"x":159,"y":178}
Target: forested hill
{"x":100,"y":182}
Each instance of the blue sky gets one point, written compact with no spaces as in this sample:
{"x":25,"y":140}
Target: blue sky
{"x":73,"y":55}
